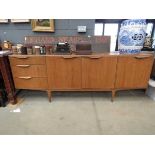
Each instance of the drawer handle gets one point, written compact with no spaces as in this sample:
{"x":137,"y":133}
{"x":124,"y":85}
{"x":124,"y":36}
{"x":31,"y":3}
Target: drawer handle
{"x":142,"y":57}
{"x":26,"y":78}
{"x":23,"y":66}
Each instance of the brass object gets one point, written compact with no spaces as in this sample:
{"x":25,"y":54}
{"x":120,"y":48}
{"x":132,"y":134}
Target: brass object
{"x":6,"y":45}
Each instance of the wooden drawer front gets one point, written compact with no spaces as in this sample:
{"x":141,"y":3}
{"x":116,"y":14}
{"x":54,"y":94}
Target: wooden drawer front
{"x":133,"y":71}
{"x":24,"y":60}
{"x":30,"y":83}
{"x":29,"y":70}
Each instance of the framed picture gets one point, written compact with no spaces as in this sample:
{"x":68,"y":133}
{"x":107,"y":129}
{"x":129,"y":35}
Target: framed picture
{"x":42,"y":25}
{"x":4,"y":20}
{"x":20,"y":20}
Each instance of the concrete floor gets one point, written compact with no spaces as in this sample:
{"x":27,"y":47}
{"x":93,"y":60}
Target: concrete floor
{"x":77,"y":113}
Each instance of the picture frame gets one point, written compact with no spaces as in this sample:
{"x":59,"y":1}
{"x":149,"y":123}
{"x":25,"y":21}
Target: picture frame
{"x":20,"y":20}
{"x":4,"y":20}
{"x":42,"y":25}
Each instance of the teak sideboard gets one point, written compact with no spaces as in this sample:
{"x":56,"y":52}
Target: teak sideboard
{"x":96,"y":72}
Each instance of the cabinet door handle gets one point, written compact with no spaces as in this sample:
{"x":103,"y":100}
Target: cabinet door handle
{"x":22,"y":57}
{"x":26,"y":77}
{"x":95,"y":57}
{"x":68,"y":57}
{"x":24,"y":66}
{"x":142,"y":56}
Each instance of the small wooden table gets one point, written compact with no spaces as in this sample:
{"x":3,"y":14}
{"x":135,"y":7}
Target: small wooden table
{"x":7,"y":77}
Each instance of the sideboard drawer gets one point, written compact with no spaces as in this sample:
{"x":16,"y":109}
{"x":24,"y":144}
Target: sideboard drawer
{"x":24,"y":60}
{"x":29,"y":70}
{"x":30,"y":83}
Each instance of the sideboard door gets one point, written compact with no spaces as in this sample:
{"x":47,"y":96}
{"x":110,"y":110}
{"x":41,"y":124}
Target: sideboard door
{"x":98,"y":72}
{"x":133,"y":71}
{"x":64,"y":72}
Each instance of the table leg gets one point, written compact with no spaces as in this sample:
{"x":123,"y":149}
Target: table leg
{"x":49,"y":93}
{"x":113,"y":95}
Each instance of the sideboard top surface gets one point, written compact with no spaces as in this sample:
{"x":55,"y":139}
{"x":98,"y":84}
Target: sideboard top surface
{"x":91,"y":55}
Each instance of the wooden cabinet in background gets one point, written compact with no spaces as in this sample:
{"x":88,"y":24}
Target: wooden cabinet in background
{"x":133,"y":71}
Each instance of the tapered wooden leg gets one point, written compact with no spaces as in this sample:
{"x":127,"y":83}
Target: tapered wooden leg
{"x":113,"y":95}
{"x":49,"y":95}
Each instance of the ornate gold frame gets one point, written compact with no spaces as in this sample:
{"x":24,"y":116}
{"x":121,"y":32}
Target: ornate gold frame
{"x":42,"y":28}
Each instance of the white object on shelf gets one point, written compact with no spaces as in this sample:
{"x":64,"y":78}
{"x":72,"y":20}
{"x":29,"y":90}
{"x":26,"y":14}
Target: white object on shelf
{"x":151,"y":89}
